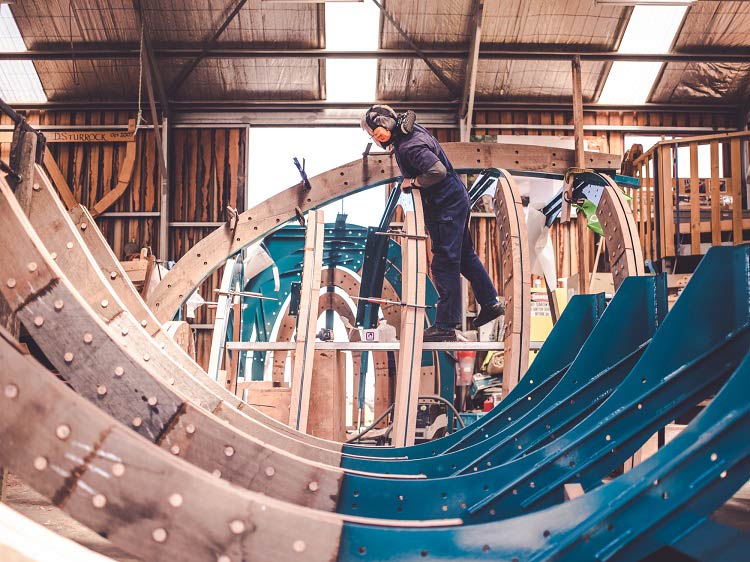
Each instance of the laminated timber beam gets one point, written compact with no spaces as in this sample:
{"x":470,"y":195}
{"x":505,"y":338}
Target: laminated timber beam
{"x":175,"y":368}
{"x":101,"y":473}
{"x":413,"y":287}
{"x":515,"y":276}
{"x":307,"y":321}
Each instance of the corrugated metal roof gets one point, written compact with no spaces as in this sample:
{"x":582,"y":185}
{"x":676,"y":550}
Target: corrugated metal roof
{"x":708,"y":24}
{"x":581,"y":24}
{"x":433,"y":23}
{"x":47,"y":23}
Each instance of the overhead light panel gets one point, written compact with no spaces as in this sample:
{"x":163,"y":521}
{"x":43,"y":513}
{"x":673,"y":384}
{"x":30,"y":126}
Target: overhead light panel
{"x":651,"y":29}
{"x":19,"y":81}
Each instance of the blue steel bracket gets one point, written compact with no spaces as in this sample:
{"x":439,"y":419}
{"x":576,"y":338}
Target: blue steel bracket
{"x":655,"y":505}
{"x":535,"y":417}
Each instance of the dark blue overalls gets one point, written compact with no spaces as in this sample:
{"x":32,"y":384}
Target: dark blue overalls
{"x":446,"y":212}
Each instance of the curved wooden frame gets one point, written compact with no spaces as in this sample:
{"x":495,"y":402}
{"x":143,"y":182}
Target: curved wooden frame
{"x":623,"y":243}
{"x":84,"y":348}
{"x":203,"y":258}
{"x":516,"y":279}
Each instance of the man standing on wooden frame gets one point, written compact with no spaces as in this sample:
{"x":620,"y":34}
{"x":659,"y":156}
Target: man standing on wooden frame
{"x":425,"y":166}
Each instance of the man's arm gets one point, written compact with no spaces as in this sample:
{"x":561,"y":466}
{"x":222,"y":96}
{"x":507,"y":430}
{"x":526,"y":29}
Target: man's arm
{"x":434,"y":175}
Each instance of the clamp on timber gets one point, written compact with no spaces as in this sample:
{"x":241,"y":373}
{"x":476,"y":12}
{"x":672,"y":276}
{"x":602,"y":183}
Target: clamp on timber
{"x":245,"y":294}
{"x":386,"y":301}
{"x":299,"y":215}
{"x":301,"y":169}
{"x":401,"y":234}
{"x":233,"y":218}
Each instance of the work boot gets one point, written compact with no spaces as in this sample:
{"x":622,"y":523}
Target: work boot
{"x":433,"y":333}
{"x":488,"y":313}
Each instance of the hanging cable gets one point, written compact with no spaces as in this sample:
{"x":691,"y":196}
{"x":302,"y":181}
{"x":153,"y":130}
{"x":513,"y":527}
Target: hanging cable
{"x":139,"y":117}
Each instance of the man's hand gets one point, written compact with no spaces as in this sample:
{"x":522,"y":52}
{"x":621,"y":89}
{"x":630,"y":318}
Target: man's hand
{"x":408,"y":184}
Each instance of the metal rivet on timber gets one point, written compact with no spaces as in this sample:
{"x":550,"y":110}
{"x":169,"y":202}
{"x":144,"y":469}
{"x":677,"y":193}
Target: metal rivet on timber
{"x":299,"y":546}
{"x":153,"y":401}
{"x":69,"y":245}
{"x":11,"y":283}
{"x":119,"y":371}
{"x":237,"y":527}
{"x":68,"y":357}
{"x":124,"y":332}
{"x":113,"y":275}
{"x":229,"y":450}
{"x":159,"y":535}
{"x":723,"y":474}
{"x":270,"y":471}
{"x":170,"y":381}
{"x":175,"y":500}
{"x":36,"y":187}
{"x":714,"y":456}
{"x":105,"y":303}
{"x":118,"y":469}
{"x":144,"y":323}
{"x":223,"y":558}
{"x":83,"y":226}
{"x":174,"y":449}
{"x":32,"y":266}
{"x":608,"y":438}
{"x":101,"y":390}
{"x":62,"y":431}
{"x":216,"y":473}
{"x":313,"y":486}
{"x":11,"y":391}
{"x":40,"y":463}
{"x":53,"y":255}
{"x":88,"y":337}
{"x":190,"y":428}
{"x":99,"y":501}
{"x":146,"y":357}
{"x":137,"y":421}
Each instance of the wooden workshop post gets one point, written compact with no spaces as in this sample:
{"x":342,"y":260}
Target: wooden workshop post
{"x":408,"y":376}
{"x":307,"y":321}
{"x":695,"y":202}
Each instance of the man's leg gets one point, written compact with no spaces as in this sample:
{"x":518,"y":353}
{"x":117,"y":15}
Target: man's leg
{"x":475,"y":273}
{"x":446,"y":238}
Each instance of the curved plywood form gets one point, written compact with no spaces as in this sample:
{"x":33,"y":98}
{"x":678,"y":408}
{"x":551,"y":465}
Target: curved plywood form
{"x":23,"y":540}
{"x":620,"y":231}
{"x":83,"y":348}
{"x":516,"y":279}
{"x":255,"y":223}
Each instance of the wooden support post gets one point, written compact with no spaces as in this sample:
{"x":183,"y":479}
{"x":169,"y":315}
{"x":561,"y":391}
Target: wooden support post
{"x":414,"y":268}
{"x":307,"y":321}
{"x":25,"y":169}
{"x":666,"y":202}
{"x":736,"y":190}
{"x":649,"y":187}
{"x":327,"y":419}
{"x":715,"y":192}
{"x":164,"y":196}
{"x":695,"y":202}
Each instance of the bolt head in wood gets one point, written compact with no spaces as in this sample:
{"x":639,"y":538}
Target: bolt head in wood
{"x":299,"y":546}
{"x":190,"y":428}
{"x":101,"y":390}
{"x":11,"y":283}
{"x":40,"y":463}
{"x":59,"y":305}
{"x":270,"y":471}
{"x":237,"y":527}
{"x":38,"y":321}
{"x":99,"y":501}
{"x":113,"y":275}
{"x":137,"y":421}
{"x":11,"y":391}
{"x":153,"y":401}
{"x":62,"y":431}
{"x":174,"y":449}
{"x":159,"y":535}
{"x":68,"y":357}
{"x":119,"y":371}
{"x":228,"y":450}
{"x":32,"y":266}
{"x":118,"y":469}
{"x":105,"y":303}
{"x":88,"y":338}
{"x":175,"y":500}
